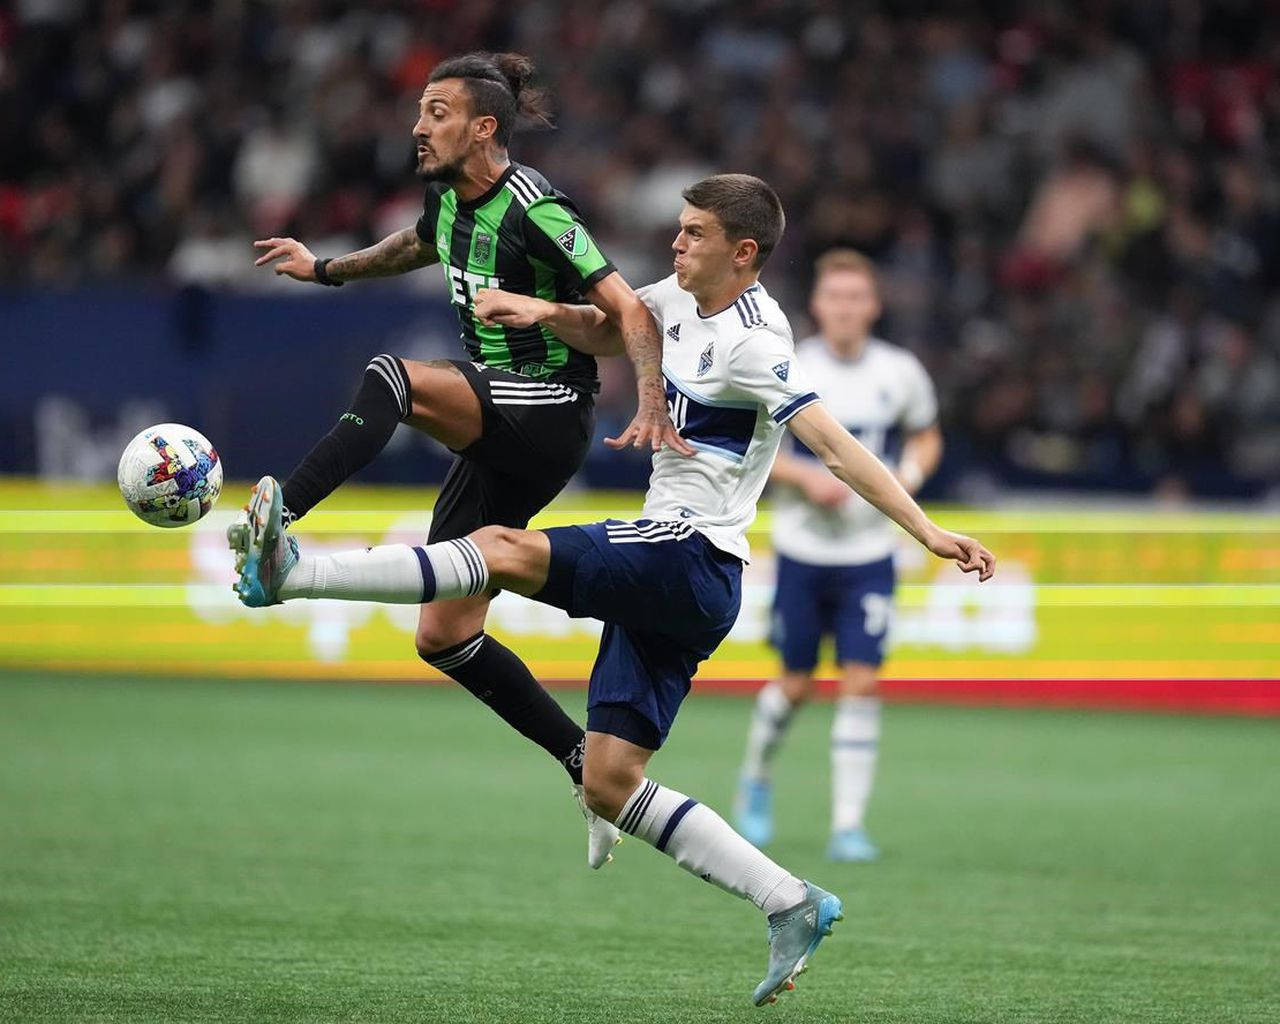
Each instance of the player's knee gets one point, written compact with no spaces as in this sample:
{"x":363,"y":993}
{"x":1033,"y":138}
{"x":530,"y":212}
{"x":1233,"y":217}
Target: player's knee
{"x":501,"y":547}
{"x":859,"y":681}
{"x":607,"y":787}
{"x":798,"y":686}
{"x":431,"y":638}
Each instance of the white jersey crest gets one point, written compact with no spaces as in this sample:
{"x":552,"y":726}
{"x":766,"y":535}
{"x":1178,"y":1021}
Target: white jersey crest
{"x":732,"y":383}
{"x":878,"y":397}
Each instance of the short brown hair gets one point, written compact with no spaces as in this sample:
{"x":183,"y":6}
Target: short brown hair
{"x":849,"y":260}
{"x":745,"y":206}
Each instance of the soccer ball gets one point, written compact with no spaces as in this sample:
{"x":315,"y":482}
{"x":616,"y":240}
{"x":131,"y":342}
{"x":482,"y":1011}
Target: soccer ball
{"x":170,"y":475}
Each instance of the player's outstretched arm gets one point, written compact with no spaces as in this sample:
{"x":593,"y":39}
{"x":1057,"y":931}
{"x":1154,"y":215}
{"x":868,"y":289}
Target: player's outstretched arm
{"x":652,"y":424}
{"x":852,"y":463}
{"x":592,"y":330}
{"x":585,"y":328}
{"x":817,"y":485}
{"x":396,"y":254}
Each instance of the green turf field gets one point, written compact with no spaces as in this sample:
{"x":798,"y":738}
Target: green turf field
{"x":179,"y":851}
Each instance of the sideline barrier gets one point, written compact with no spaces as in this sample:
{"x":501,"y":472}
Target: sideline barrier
{"x":1173,"y":611}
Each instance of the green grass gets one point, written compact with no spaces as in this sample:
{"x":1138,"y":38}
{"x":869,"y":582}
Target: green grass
{"x":193,"y":851}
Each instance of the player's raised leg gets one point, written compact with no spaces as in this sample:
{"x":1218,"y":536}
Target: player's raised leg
{"x":434,"y":397}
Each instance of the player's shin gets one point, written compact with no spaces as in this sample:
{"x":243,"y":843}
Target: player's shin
{"x":493,"y":674}
{"x":379,"y":405}
{"x":769,"y":721}
{"x":704,"y":844}
{"x":391,"y":574}
{"x":855,"y":745}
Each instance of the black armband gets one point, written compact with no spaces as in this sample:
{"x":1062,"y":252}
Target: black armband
{"x":322,"y":273}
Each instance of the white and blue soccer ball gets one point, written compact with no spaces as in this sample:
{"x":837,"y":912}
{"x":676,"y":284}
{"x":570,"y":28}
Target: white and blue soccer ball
{"x":170,"y":475}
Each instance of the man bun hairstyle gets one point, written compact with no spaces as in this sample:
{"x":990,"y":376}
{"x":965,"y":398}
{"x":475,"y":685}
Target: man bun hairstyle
{"x":498,"y":85}
{"x":745,"y":206}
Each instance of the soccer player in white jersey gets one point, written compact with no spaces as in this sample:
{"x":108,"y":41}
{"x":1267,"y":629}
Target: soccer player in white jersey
{"x":835,"y":551}
{"x":668,"y":585}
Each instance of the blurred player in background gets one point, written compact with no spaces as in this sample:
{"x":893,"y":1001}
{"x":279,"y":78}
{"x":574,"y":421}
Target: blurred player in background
{"x":835,"y":551}
{"x":518,"y":411}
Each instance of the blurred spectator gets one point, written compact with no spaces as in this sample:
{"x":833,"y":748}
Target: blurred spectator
{"x":1075,"y":208}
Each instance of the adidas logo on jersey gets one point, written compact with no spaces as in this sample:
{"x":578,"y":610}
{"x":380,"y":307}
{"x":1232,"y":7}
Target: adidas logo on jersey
{"x":704,"y":360}
{"x":673,"y":332}
{"x":782,"y":370}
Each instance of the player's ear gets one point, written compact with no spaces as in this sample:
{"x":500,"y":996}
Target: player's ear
{"x":744,"y":254}
{"x":484,"y":127}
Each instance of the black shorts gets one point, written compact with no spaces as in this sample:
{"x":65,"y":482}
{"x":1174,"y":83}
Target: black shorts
{"x":535,"y":437}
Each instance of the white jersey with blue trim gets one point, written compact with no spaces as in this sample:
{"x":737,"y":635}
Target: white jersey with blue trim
{"x":732,"y":384}
{"x":879,"y":397}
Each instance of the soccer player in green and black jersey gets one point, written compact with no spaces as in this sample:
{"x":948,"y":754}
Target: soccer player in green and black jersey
{"x":519,"y":410}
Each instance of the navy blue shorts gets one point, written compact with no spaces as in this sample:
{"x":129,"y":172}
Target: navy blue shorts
{"x":667,"y":597}
{"x":853,"y":602}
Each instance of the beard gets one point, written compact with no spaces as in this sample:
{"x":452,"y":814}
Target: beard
{"x":449,"y":173}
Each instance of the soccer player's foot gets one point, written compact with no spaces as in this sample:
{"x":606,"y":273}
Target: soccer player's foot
{"x":754,"y":811}
{"x":265,"y":554}
{"x":853,"y":845}
{"x":602,"y":835}
{"x":794,"y":935}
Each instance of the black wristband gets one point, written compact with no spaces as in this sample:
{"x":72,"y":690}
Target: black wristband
{"x":322,"y":273}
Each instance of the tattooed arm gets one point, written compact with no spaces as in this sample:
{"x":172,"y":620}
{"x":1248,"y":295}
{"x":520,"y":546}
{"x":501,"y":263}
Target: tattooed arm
{"x":396,"y":254}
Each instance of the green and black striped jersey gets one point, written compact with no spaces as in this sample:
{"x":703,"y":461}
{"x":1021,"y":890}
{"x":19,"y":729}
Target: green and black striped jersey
{"x":525,"y":237}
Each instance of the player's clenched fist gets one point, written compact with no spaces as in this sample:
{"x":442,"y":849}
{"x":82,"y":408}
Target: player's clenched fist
{"x":966,"y":552}
{"x":296,"y":259}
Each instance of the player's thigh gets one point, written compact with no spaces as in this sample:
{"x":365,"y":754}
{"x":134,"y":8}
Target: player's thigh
{"x":443,"y":624}
{"x":864,"y":613}
{"x":651,"y":577}
{"x":443,"y":403}
{"x":799,"y":617}
{"x":637,"y":685}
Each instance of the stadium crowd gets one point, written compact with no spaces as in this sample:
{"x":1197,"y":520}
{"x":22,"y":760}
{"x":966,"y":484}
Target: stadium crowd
{"x":1074,"y":206}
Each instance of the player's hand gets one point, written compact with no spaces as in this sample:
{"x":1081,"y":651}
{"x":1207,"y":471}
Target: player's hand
{"x":825,"y":491}
{"x":296,"y":259}
{"x":494,"y":306}
{"x":966,"y":552}
{"x":651,"y":427}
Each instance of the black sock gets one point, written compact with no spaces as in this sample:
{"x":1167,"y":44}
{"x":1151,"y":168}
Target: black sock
{"x":500,"y":679}
{"x":380,"y":403}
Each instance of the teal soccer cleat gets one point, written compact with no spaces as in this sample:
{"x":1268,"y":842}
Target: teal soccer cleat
{"x":265,"y":554}
{"x":794,"y":935}
{"x":753,"y":811}
{"x":852,"y":846}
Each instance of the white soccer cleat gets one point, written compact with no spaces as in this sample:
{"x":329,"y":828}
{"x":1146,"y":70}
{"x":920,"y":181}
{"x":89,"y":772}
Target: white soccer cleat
{"x":602,"y":836}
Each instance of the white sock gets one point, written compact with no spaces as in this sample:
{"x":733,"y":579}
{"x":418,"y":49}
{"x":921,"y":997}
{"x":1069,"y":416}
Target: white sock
{"x":702,"y":843}
{"x":769,"y":722}
{"x":391,"y":574}
{"x":855,"y":742}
